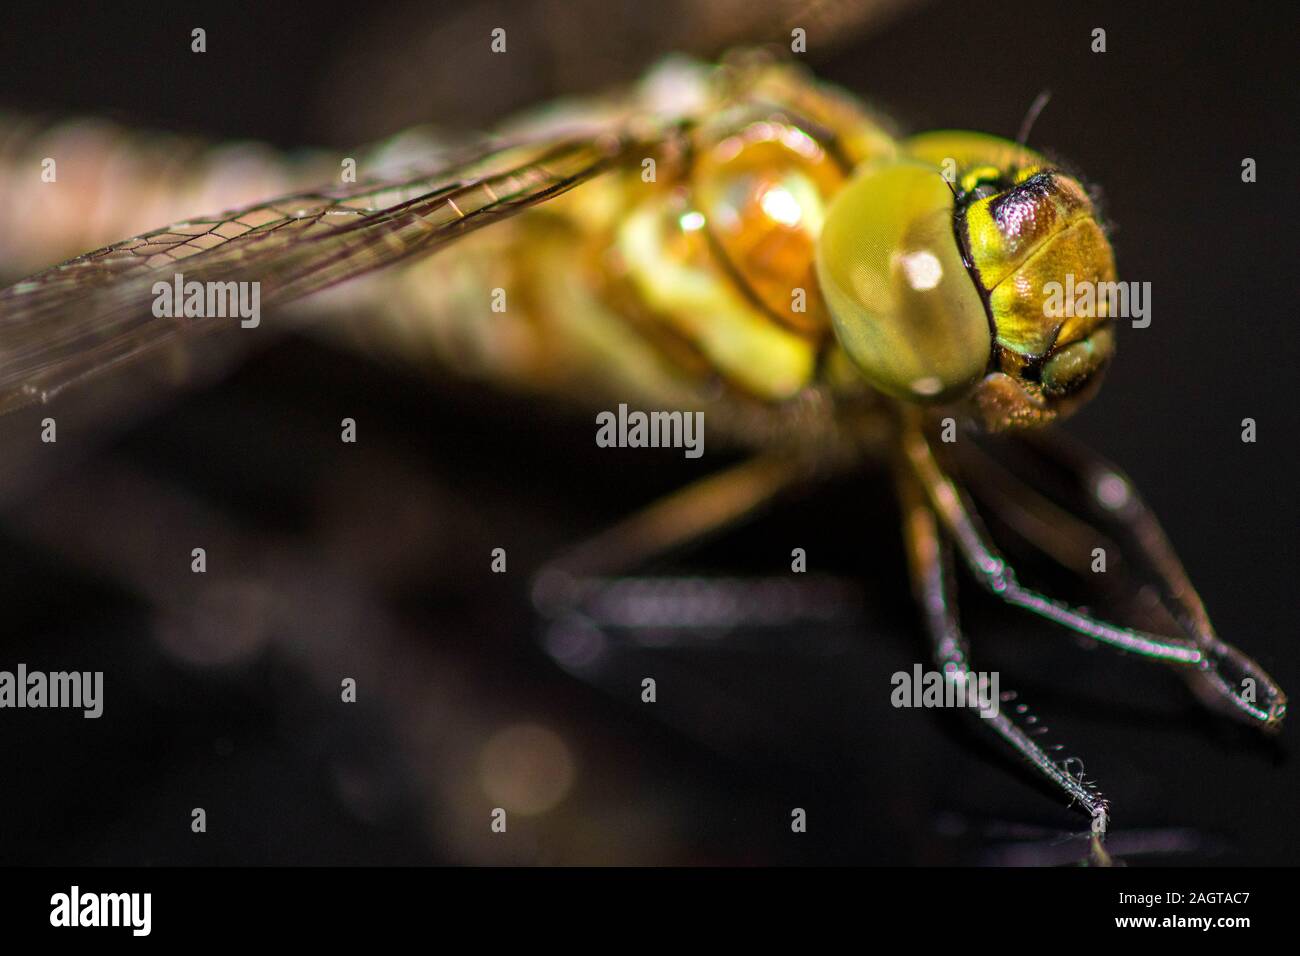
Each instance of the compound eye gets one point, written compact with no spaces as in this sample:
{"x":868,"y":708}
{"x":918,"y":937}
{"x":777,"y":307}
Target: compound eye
{"x":901,"y":301}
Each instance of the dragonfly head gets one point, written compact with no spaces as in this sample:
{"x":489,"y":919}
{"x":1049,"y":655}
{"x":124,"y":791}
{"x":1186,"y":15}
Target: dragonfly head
{"x":967,"y":271}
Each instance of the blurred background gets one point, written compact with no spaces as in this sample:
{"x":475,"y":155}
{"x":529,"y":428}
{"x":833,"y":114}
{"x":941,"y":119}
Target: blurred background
{"x":222,"y":690}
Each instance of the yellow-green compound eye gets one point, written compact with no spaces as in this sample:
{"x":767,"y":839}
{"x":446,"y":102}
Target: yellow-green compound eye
{"x":902,"y":303}
{"x":960,"y":150}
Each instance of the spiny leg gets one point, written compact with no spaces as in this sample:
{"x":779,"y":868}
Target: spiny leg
{"x":588,"y":580}
{"x":1221,"y":674}
{"x":999,"y":577}
{"x":929,"y":558}
{"x":1227,"y":672}
{"x":1114,"y":518}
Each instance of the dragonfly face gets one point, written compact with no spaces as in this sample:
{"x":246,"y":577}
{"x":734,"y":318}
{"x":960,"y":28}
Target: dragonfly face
{"x":939,"y":268}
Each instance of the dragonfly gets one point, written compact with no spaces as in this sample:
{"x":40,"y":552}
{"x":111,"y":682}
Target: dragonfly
{"x":740,"y":240}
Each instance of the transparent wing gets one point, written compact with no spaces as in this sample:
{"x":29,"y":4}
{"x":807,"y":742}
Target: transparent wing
{"x":96,"y":311}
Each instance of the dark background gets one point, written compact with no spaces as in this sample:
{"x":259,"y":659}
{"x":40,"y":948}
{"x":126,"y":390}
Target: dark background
{"x":371,"y":562}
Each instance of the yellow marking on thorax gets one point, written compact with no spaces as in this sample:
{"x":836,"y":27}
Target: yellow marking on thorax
{"x":722,"y":252}
{"x":673,"y":272}
{"x":649,"y":284}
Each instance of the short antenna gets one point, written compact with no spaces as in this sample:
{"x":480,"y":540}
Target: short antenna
{"x":1031,"y":117}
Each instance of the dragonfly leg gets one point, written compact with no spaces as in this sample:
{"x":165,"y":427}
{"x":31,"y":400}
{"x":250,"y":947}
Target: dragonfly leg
{"x":1107,"y":512}
{"x":929,"y":559}
{"x":1234,"y":677}
{"x":686,"y":516}
{"x":1119,"y":509}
